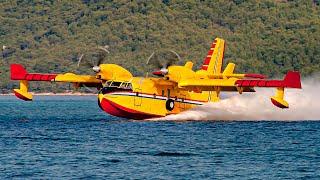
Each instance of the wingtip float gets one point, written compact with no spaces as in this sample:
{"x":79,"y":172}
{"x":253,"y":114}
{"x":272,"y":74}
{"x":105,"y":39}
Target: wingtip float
{"x":291,"y":80}
{"x":175,"y":89}
{"x":18,"y":72}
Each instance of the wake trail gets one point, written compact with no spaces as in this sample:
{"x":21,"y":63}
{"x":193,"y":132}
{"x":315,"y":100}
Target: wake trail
{"x":304,"y":104}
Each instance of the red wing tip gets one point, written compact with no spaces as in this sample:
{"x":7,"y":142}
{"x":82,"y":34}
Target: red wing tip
{"x":292,"y":80}
{"x":18,"y":72}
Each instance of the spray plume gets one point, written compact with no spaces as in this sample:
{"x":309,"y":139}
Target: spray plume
{"x":304,"y":104}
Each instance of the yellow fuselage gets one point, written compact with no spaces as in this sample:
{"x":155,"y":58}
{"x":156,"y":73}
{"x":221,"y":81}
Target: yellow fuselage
{"x":142,"y":98}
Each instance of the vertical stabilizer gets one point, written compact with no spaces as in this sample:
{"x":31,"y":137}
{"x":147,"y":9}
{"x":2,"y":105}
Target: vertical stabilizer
{"x":214,"y":59}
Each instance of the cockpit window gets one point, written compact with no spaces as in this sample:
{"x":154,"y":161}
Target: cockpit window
{"x":129,"y":86}
{"x":123,"y":85}
{"x":108,"y":83}
{"x":115,"y":84}
{"x":112,"y":86}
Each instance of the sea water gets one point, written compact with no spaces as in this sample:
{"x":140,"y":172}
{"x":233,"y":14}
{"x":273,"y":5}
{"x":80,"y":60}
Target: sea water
{"x":59,"y":137}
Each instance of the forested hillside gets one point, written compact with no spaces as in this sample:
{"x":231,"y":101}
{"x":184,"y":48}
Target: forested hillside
{"x":263,"y":36}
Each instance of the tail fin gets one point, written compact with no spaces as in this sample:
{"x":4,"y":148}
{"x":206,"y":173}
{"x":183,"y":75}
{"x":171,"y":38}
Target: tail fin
{"x":214,"y":60}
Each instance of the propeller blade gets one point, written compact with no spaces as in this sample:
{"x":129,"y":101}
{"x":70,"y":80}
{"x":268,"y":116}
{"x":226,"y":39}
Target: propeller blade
{"x":105,"y":48}
{"x":94,"y":57}
{"x":155,"y":60}
{"x":177,"y":55}
{"x":148,"y":60}
{"x":161,"y":60}
{"x":89,"y":89}
{"x":100,"y":59}
{"x":85,"y":61}
{"x":79,"y":60}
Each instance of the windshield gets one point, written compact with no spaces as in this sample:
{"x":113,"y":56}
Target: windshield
{"x":112,"y":86}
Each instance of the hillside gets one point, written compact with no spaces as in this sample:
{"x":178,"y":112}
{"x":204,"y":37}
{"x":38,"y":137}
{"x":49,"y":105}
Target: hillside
{"x":263,"y":36}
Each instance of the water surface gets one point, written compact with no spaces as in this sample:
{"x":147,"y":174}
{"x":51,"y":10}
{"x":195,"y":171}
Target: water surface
{"x":70,"y":137}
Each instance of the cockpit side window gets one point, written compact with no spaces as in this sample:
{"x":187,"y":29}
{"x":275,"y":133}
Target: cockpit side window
{"x":108,"y":83}
{"x":112,"y":86}
{"x":123,"y":85}
{"x":115,"y":84}
{"x":129,"y":86}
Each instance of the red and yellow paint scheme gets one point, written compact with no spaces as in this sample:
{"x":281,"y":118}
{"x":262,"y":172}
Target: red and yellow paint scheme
{"x":178,"y":88}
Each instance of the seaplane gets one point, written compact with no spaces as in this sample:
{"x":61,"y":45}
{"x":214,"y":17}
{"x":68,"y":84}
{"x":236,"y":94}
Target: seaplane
{"x":171,"y":89}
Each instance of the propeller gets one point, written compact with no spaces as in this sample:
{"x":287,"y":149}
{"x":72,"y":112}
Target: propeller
{"x":161,"y":60}
{"x":94,"y":91}
{"x":94,"y":58}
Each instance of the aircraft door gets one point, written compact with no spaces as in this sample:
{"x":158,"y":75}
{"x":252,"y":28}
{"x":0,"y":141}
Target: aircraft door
{"x":182,"y":104}
{"x":137,"y":97}
{"x":138,"y":90}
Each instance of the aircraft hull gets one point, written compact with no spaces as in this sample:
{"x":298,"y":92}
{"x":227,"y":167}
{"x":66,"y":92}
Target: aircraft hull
{"x":121,"y":111}
{"x":144,"y":106}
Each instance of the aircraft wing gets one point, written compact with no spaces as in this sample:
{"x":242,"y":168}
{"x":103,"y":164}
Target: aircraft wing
{"x":74,"y":78}
{"x":18,"y":72}
{"x":291,"y":80}
{"x":212,"y":85}
{"x":206,"y":84}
